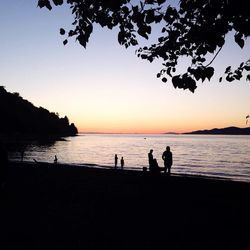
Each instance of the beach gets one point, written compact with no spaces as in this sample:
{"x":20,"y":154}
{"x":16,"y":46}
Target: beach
{"x":56,"y":206}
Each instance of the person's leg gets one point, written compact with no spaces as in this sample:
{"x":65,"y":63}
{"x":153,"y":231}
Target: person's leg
{"x":165,"y":168}
{"x":169,"y":169}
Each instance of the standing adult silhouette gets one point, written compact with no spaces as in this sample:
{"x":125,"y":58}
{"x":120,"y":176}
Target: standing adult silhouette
{"x":168,"y":160}
{"x":122,"y":162}
{"x":150,"y":159}
{"x":55,"y":159}
{"x":116,"y":160}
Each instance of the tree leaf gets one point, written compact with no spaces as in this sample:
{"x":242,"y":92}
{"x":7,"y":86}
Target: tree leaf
{"x":164,"y":79}
{"x":238,"y":39}
{"x":121,"y":37}
{"x":150,"y":17}
{"x":209,"y":72}
{"x":44,"y":3}
{"x":158,"y":18}
{"x":149,"y":1}
{"x":169,"y":71}
{"x":229,"y":78}
{"x":176,"y":81}
{"x":247,"y":67}
{"x":82,"y":40}
{"x":161,"y":1}
{"x":65,"y":42}
{"x":58,"y":2}
{"x":142,"y":32}
{"x":62,"y":31}
{"x":228,"y":69}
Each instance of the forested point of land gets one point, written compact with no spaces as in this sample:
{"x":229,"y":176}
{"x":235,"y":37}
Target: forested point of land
{"x":21,"y":117}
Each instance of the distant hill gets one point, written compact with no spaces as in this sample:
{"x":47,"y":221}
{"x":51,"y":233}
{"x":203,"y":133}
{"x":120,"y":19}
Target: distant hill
{"x":223,"y":131}
{"x":20,"y":117}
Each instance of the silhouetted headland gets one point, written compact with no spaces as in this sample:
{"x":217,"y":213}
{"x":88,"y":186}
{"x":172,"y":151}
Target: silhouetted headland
{"x":54,"y":206}
{"x":20,"y":118}
{"x":222,"y":131}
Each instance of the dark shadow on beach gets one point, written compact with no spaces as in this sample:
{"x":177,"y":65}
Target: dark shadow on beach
{"x":53,"y":206}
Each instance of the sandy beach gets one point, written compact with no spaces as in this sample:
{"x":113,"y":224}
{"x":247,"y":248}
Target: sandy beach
{"x":47,"y":206}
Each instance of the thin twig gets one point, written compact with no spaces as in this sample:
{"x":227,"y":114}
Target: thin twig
{"x":214,"y":56}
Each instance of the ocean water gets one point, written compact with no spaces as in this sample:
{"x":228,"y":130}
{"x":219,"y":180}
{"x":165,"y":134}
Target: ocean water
{"x":222,"y":156}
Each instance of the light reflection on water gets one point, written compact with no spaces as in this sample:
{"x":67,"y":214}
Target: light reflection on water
{"x":212,"y":155}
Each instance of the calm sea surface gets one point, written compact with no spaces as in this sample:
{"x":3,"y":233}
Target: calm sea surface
{"x":223,"y":156}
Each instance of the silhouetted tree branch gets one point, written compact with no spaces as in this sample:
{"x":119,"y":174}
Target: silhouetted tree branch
{"x":214,"y":57}
{"x":192,"y":29}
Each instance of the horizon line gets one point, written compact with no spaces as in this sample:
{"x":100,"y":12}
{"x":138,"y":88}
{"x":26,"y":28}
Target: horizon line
{"x":159,"y":133}
{"x":140,"y":133}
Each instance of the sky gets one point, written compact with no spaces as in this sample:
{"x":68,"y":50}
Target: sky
{"x":107,"y":88}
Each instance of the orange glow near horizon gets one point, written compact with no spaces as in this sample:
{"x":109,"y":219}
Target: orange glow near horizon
{"x":149,"y":129}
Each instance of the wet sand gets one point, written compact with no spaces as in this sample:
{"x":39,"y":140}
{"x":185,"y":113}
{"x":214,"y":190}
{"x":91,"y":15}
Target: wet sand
{"x":47,"y":206}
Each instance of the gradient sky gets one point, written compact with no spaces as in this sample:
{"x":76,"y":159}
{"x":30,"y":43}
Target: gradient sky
{"x":106,"y":88}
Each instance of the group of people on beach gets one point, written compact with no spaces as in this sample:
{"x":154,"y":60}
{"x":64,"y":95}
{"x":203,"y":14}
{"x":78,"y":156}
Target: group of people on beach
{"x":121,"y":161}
{"x":153,"y":164}
{"x":167,"y":157}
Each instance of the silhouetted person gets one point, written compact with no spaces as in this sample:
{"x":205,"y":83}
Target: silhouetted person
{"x":122,"y":162}
{"x":168,"y":160}
{"x":55,"y":160}
{"x":150,"y":159}
{"x":155,"y":167}
{"x":3,"y":164}
{"x":116,"y":160}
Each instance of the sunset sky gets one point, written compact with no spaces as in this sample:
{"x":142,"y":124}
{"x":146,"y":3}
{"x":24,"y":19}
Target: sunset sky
{"x":106,"y":88}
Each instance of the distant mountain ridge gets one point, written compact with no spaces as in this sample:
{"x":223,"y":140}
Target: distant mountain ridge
{"x":21,"y":117}
{"x":223,"y":131}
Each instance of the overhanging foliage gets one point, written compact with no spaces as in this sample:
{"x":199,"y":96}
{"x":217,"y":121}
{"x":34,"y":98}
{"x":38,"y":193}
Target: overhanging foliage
{"x":192,"y":29}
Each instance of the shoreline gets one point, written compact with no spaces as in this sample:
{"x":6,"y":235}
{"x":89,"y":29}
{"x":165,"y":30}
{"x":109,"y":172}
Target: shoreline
{"x":130,"y":169}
